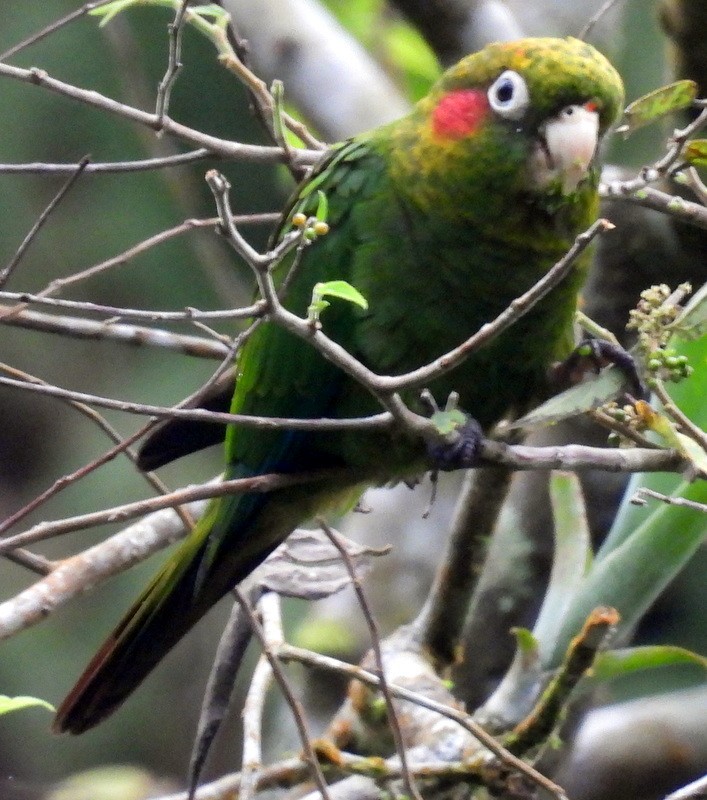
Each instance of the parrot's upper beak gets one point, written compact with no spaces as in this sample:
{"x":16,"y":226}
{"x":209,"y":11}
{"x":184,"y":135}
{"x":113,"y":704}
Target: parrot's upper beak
{"x":566,"y":146}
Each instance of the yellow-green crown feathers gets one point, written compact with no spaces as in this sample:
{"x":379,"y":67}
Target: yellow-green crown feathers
{"x":559,"y":72}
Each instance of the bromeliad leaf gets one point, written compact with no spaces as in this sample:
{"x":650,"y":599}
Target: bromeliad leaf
{"x":657,"y":104}
{"x":585,"y":396}
{"x":342,"y":290}
{"x":618,"y":663}
{"x":571,"y":560}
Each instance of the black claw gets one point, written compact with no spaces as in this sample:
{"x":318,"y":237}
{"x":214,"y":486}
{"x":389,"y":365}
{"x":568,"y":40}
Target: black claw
{"x":462,"y":453}
{"x":596,"y":354}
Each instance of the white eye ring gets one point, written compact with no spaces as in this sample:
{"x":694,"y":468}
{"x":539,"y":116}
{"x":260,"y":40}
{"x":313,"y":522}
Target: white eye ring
{"x":508,"y":95}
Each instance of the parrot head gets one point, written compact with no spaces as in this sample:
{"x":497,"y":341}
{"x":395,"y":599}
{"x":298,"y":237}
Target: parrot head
{"x":529,"y":114}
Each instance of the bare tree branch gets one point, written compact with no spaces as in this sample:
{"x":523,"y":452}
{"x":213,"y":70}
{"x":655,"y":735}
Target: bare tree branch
{"x":217,"y":147}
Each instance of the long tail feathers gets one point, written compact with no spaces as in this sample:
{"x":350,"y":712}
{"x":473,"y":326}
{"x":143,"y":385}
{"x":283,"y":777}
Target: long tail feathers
{"x":178,"y":596}
{"x":234,"y":537}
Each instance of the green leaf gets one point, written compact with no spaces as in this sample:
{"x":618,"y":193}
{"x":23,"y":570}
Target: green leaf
{"x":585,"y":396}
{"x":8,"y":704}
{"x":695,"y":152}
{"x":526,"y":641}
{"x":321,"y":215}
{"x":657,"y":104}
{"x":342,"y":290}
{"x":634,"y":573}
{"x":618,"y":663}
{"x":571,"y":557}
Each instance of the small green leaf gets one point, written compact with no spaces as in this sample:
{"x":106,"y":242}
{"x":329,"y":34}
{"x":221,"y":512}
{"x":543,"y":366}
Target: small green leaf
{"x":342,"y":290}
{"x":321,"y":215}
{"x":657,"y":104}
{"x":8,"y":704}
{"x":618,"y":663}
{"x":695,"y":152}
{"x":526,"y":642}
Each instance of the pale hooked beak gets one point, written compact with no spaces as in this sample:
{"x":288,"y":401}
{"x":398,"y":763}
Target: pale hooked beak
{"x":565,"y":147}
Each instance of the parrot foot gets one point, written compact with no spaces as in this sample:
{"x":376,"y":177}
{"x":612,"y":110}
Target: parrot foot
{"x":595,"y":354}
{"x":462,"y":452}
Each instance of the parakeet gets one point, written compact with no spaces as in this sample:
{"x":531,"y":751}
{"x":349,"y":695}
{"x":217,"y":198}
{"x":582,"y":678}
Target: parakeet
{"x":440,"y":219}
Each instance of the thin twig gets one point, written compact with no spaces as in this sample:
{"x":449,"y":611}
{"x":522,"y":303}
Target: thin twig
{"x":59,"y":284}
{"x":253,"y":707}
{"x":174,"y":61}
{"x":374,"y":634}
{"x":109,"y":167}
{"x":216,"y":146}
{"x":51,"y":28}
{"x":587,"y":29}
{"x":649,"y":197}
{"x":120,"y":312}
{"x":296,"y":707}
{"x":288,"y":652}
{"x":108,"y":455}
{"x":577,"y":457}
{"x":31,"y":561}
{"x":643,"y":492}
{"x":218,"y":417}
{"x":77,"y":574}
{"x":41,"y":220}
{"x":133,"y":335}
{"x":638,"y":189}
{"x":267,"y":482}
{"x":252,"y":715}
{"x":67,"y":480}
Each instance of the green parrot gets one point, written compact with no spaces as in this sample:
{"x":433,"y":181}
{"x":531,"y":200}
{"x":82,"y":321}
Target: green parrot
{"x":440,"y":219}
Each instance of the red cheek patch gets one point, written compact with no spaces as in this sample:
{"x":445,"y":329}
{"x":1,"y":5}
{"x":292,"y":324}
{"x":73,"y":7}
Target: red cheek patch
{"x":460,"y":113}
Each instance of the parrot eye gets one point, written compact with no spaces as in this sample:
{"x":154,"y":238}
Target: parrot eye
{"x":508,"y":95}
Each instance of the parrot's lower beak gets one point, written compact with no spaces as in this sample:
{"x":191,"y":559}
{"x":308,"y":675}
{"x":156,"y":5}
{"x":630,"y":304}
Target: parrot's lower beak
{"x":565,"y":148}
